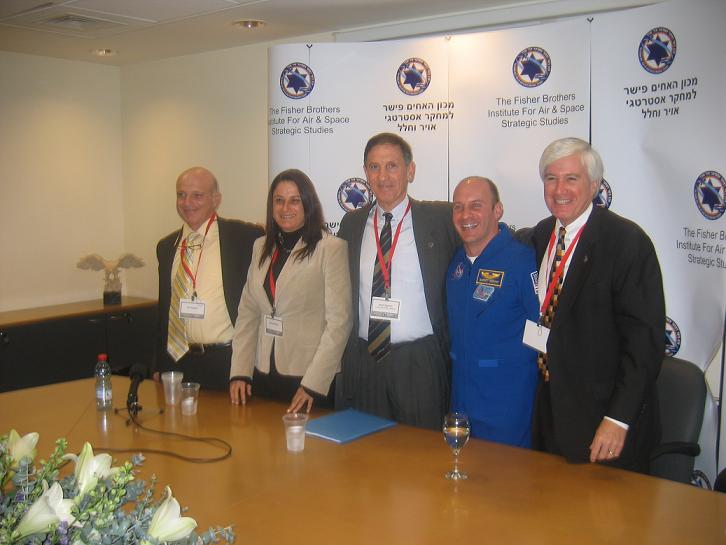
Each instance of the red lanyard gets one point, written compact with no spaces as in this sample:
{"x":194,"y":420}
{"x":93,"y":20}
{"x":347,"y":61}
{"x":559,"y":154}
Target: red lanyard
{"x":183,"y":250}
{"x":560,"y":269}
{"x":386,"y":267}
{"x":272,"y":277}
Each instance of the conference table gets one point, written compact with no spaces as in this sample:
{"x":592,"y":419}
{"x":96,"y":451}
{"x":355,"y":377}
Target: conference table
{"x":387,"y":488}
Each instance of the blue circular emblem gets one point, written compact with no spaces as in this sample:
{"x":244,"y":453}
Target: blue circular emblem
{"x":709,"y":191}
{"x":657,"y":50}
{"x":297,"y":80}
{"x":604,"y":196}
{"x":672,"y":337}
{"x":354,"y":193}
{"x":413,"y":76}
{"x":532,"y":67}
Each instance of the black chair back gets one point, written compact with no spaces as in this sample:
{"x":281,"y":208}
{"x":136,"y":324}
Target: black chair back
{"x":681,"y":390}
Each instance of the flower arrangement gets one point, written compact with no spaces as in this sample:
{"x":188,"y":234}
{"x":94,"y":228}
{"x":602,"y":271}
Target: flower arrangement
{"x":95,"y":505}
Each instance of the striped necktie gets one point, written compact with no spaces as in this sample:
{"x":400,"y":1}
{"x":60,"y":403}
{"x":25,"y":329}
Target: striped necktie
{"x":379,"y":331}
{"x":181,"y":288}
{"x":549,"y":314}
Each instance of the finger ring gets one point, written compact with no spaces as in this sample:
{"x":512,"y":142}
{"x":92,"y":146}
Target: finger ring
{"x":610,"y":452}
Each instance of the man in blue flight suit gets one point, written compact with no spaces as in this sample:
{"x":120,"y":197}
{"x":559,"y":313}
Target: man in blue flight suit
{"x":490,"y":289}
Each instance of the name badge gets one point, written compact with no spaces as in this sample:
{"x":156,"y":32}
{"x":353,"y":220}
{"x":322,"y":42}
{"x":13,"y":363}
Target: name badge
{"x":535,"y":336}
{"x":273,"y":326}
{"x":191,"y":309}
{"x":385,"y":309}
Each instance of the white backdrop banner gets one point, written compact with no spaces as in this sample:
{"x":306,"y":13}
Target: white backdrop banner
{"x":645,"y":85}
{"x":515,"y":92}
{"x":326,"y":100}
{"x":657,"y":120}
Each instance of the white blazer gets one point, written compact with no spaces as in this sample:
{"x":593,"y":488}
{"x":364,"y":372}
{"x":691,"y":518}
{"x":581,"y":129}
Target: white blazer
{"x":313,"y":299}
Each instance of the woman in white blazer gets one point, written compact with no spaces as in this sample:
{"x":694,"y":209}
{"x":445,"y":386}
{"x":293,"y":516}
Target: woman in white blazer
{"x":295,"y":311}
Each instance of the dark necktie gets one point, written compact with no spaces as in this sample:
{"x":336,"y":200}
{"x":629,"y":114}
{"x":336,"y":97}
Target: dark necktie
{"x":379,"y":331}
{"x":549,"y":314}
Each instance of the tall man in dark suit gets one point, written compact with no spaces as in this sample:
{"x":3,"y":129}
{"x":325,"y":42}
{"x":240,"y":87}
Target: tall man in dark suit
{"x":595,"y":401}
{"x":396,"y":363}
{"x":202,"y":270}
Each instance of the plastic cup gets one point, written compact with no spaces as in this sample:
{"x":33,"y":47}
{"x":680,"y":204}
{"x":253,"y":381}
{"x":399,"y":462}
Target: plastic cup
{"x":189,"y":397}
{"x":295,"y":431}
{"x":172,"y":386}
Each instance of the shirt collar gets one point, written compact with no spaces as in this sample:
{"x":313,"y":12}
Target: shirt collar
{"x":212,"y":235}
{"x":397,"y":212}
{"x":575,"y":226}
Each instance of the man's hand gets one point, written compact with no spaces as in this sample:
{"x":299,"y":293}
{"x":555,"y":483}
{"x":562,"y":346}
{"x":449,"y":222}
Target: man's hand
{"x":608,"y":442}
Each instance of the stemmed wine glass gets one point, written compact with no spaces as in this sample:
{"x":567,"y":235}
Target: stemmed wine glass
{"x":456,"y":433}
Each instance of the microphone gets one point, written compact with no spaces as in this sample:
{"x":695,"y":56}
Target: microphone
{"x":137,"y":374}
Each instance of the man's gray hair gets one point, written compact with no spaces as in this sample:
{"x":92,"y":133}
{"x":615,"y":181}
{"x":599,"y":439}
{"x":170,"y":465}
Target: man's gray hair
{"x":565,"y":147}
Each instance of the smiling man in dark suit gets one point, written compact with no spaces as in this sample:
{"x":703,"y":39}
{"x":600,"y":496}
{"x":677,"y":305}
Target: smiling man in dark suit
{"x":202,"y":270}
{"x":396,"y":363}
{"x":603,"y":309}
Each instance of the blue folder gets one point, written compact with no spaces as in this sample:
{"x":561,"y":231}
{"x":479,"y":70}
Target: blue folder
{"x":344,"y":426}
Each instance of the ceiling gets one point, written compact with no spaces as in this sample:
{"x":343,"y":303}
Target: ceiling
{"x":143,"y":30}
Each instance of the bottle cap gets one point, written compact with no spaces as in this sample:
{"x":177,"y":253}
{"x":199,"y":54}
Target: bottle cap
{"x":102,"y":357}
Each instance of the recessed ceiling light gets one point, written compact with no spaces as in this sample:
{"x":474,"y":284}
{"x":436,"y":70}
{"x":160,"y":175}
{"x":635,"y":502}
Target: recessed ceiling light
{"x":249,"y":24}
{"x":102,"y":52}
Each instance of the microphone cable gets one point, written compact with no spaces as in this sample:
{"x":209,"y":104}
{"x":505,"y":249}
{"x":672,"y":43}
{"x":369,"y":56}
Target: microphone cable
{"x":212,"y":441}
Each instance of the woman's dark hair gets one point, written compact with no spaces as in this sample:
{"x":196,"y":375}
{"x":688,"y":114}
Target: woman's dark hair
{"x":312,"y":230}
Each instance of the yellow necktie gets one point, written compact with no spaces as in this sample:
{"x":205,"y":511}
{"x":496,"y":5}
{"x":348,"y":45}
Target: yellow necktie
{"x":181,"y":287}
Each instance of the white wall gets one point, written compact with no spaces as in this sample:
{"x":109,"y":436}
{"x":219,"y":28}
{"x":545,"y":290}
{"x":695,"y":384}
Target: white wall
{"x":208,"y":109}
{"x":90,"y":155}
{"x":62,"y":197}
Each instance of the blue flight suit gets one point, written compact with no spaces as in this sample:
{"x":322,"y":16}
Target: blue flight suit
{"x":494,"y":375}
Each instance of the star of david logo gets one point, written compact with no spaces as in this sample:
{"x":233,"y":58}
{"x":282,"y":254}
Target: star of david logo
{"x":532,"y":67}
{"x":672,"y":337}
{"x":413,"y":76}
{"x":297,"y":80}
{"x":709,"y":192}
{"x":604,"y":196}
{"x":657,"y":50}
{"x":354,"y":193}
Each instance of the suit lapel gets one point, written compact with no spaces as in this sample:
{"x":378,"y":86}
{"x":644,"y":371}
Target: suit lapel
{"x":227,"y":264}
{"x":356,"y":242}
{"x":167,"y":259}
{"x":424,"y":242}
{"x":580,"y":265}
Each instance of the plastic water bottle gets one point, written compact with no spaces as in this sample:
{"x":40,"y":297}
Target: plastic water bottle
{"x":102,"y":373}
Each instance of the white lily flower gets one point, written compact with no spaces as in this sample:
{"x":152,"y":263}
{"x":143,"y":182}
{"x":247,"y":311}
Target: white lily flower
{"x":90,"y":468}
{"x":22,"y":447}
{"x":48,"y":509}
{"x":166,"y":524}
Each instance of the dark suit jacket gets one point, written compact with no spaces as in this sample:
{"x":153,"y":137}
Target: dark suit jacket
{"x":436,"y":241}
{"x":235,"y":247}
{"x":607,"y":341}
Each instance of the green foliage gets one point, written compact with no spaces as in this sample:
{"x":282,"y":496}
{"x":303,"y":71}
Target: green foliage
{"x":118,"y":510}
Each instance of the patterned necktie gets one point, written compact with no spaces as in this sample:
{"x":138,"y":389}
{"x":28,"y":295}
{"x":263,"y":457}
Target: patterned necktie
{"x":552,"y":306}
{"x":379,"y":331}
{"x":176,"y":344}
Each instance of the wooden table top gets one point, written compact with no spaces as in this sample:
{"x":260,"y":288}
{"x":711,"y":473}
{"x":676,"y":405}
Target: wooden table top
{"x":15,"y":318}
{"x":385,"y":488}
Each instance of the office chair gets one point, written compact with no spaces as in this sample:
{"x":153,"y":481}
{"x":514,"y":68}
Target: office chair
{"x":681,"y":389}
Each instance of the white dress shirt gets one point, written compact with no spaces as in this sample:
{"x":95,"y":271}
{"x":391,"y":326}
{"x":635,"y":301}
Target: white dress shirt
{"x":546,"y":266}
{"x":406,"y":279}
{"x":216,"y":326}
